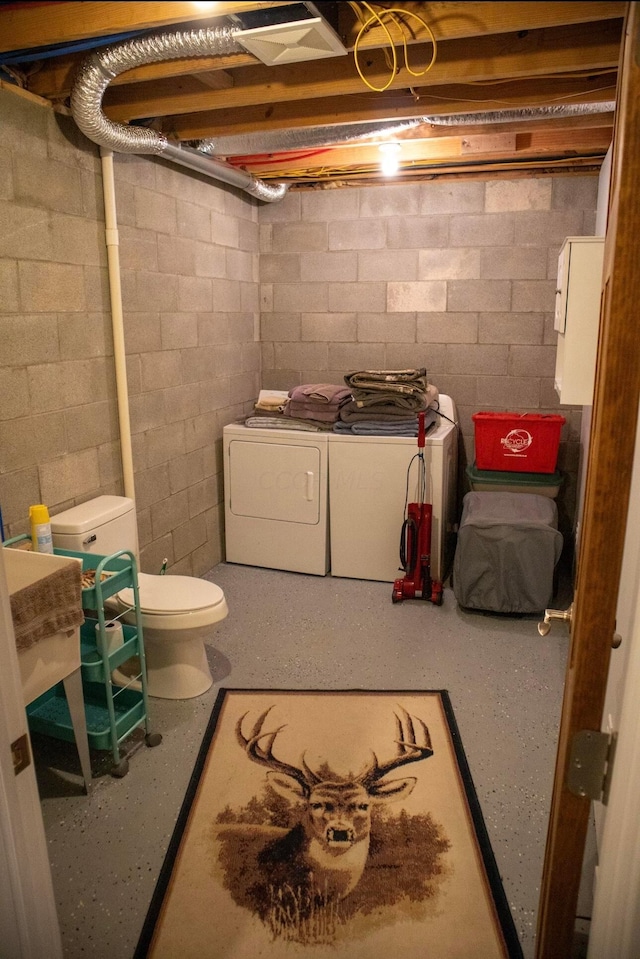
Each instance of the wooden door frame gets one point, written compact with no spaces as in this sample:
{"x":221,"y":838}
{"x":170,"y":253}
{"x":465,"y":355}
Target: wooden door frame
{"x":608,"y":480}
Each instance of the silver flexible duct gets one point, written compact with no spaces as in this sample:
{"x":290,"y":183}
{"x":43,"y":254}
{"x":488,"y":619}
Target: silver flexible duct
{"x":527,"y":113}
{"x":299,"y":139}
{"x":101,"y":67}
{"x":273,"y":140}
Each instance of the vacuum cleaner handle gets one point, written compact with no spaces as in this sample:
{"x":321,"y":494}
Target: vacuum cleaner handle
{"x":421,"y":433}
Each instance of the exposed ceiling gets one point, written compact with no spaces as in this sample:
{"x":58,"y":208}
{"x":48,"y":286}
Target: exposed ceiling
{"x":494,"y":95}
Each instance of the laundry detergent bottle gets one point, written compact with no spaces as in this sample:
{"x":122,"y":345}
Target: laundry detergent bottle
{"x":40,"y":529}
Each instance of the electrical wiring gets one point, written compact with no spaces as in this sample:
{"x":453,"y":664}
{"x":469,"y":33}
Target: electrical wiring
{"x":257,"y":159}
{"x":392,"y":62}
{"x":574,"y":75}
{"x":444,"y":415}
{"x":408,"y":561}
{"x":514,"y":103}
{"x":421,"y":167}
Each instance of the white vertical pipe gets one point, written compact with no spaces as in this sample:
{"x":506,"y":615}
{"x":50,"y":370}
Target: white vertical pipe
{"x":117,"y":323}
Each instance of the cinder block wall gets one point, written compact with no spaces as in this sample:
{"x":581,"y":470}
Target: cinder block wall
{"x":189,"y":260}
{"x":457,"y":276}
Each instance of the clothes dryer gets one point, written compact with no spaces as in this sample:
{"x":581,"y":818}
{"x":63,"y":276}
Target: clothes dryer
{"x":368,"y":493}
{"x":276,"y":490}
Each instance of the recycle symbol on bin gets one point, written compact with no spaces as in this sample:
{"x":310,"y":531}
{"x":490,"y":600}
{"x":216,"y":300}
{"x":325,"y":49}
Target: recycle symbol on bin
{"x":516,"y":441}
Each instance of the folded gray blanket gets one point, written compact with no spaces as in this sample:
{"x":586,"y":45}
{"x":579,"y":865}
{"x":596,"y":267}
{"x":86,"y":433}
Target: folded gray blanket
{"x":320,"y":394}
{"x":286,"y":423}
{"x":412,"y":400}
{"x":389,"y":382}
{"x":381,"y":405}
{"x":361,"y":377}
{"x":373,"y":428}
{"x":385,"y":413}
{"x":360,"y":423}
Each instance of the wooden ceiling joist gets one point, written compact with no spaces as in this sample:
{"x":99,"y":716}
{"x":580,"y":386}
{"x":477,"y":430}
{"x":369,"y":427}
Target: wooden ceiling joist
{"x":470,"y":19}
{"x":568,"y":50}
{"x":395,"y":106}
{"x":490,"y":57}
{"x":34,"y":25}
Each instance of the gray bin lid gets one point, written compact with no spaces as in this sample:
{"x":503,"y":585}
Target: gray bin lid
{"x":512,"y":509}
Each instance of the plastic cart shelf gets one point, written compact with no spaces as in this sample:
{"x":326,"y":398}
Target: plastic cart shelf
{"x":113,"y":711}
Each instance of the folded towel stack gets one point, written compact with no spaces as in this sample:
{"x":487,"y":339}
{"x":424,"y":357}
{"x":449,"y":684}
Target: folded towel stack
{"x":320,"y":402}
{"x":313,"y":408}
{"x":388,"y":402}
{"x":271,"y":401}
{"x":278,"y":421}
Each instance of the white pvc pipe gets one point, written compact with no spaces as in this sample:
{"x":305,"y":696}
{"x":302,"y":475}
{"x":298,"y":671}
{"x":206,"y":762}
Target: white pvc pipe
{"x":117,"y":323}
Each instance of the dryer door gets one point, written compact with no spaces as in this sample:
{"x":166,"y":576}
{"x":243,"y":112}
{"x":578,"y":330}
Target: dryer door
{"x":274,"y":481}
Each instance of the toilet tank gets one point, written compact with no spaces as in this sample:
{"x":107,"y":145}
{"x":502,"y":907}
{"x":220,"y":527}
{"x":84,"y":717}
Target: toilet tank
{"x":102,"y":525}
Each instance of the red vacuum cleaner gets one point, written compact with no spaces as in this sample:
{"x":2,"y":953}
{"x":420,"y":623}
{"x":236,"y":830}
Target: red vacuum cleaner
{"x":415,"y":539}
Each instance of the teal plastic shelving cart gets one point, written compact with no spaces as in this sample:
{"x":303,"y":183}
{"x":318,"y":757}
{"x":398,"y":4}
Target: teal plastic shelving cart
{"x":112,"y":710}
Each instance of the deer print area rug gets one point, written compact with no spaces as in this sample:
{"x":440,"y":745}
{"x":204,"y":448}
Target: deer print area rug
{"x":330,"y":825}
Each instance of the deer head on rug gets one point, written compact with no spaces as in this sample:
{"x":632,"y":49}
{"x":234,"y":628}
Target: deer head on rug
{"x":330,"y":845}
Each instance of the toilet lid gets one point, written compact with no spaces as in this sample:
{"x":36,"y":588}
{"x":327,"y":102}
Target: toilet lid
{"x":172,"y":594}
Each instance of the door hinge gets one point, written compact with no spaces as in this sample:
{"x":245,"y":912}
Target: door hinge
{"x":20,"y":753}
{"x":591,"y":764}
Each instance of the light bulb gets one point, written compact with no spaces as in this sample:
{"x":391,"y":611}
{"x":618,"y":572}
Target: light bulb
{"x":390,"y":162}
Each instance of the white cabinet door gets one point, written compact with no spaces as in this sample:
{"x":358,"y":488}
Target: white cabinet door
{"x":577,"y":318}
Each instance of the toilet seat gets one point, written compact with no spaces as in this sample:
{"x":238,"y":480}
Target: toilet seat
{"x":175,"y":602}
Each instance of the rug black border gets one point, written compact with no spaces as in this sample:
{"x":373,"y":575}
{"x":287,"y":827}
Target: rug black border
{"x":491,"y":867}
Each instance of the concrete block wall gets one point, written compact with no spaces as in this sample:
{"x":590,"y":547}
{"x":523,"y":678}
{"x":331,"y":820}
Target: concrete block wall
{"x":189,"y":268}
{"x":457,"y":276}
{"x":223,"y":295}
{"x":189,"y":262}
{"x":58,"y":423}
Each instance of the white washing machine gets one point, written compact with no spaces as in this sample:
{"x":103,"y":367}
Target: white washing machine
{"x":367,"y":492}
{"x":276,"y":492}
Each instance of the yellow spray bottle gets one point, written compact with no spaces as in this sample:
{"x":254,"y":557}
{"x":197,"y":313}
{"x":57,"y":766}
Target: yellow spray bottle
{"x":40,"y":529}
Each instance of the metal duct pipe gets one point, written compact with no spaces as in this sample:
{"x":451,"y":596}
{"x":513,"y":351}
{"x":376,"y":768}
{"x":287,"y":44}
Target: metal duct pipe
{"x":527,"y":113}
{"x":101,"y":67}
{"x":225,"y":172}
{"x":299,"y":139}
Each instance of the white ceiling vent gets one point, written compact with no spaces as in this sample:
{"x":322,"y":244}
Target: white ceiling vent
{"x":292,"y":42}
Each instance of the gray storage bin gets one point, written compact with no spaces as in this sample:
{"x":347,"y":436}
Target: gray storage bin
{"x":507,"y":550}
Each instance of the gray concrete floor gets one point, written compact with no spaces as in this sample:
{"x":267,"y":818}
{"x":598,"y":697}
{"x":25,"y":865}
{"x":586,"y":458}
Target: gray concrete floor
{"x":291,"y":631}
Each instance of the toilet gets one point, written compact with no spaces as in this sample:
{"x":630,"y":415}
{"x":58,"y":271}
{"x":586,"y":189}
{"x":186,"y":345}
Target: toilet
{"x":178,"y":613}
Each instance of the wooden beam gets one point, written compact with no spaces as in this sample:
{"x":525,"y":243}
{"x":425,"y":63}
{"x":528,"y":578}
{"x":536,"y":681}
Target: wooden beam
{"x":55,"y":78}
{"x":28,"y":26}
{"x":215,"y":79}
{"x":449,"y":21}
{"x":539,"y":53}
{"x":504,"y":146}
{"x":391,"y":106}
{"x":466,"y":169}
{"x":525,"y":127}
{"x":463,"y":166}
